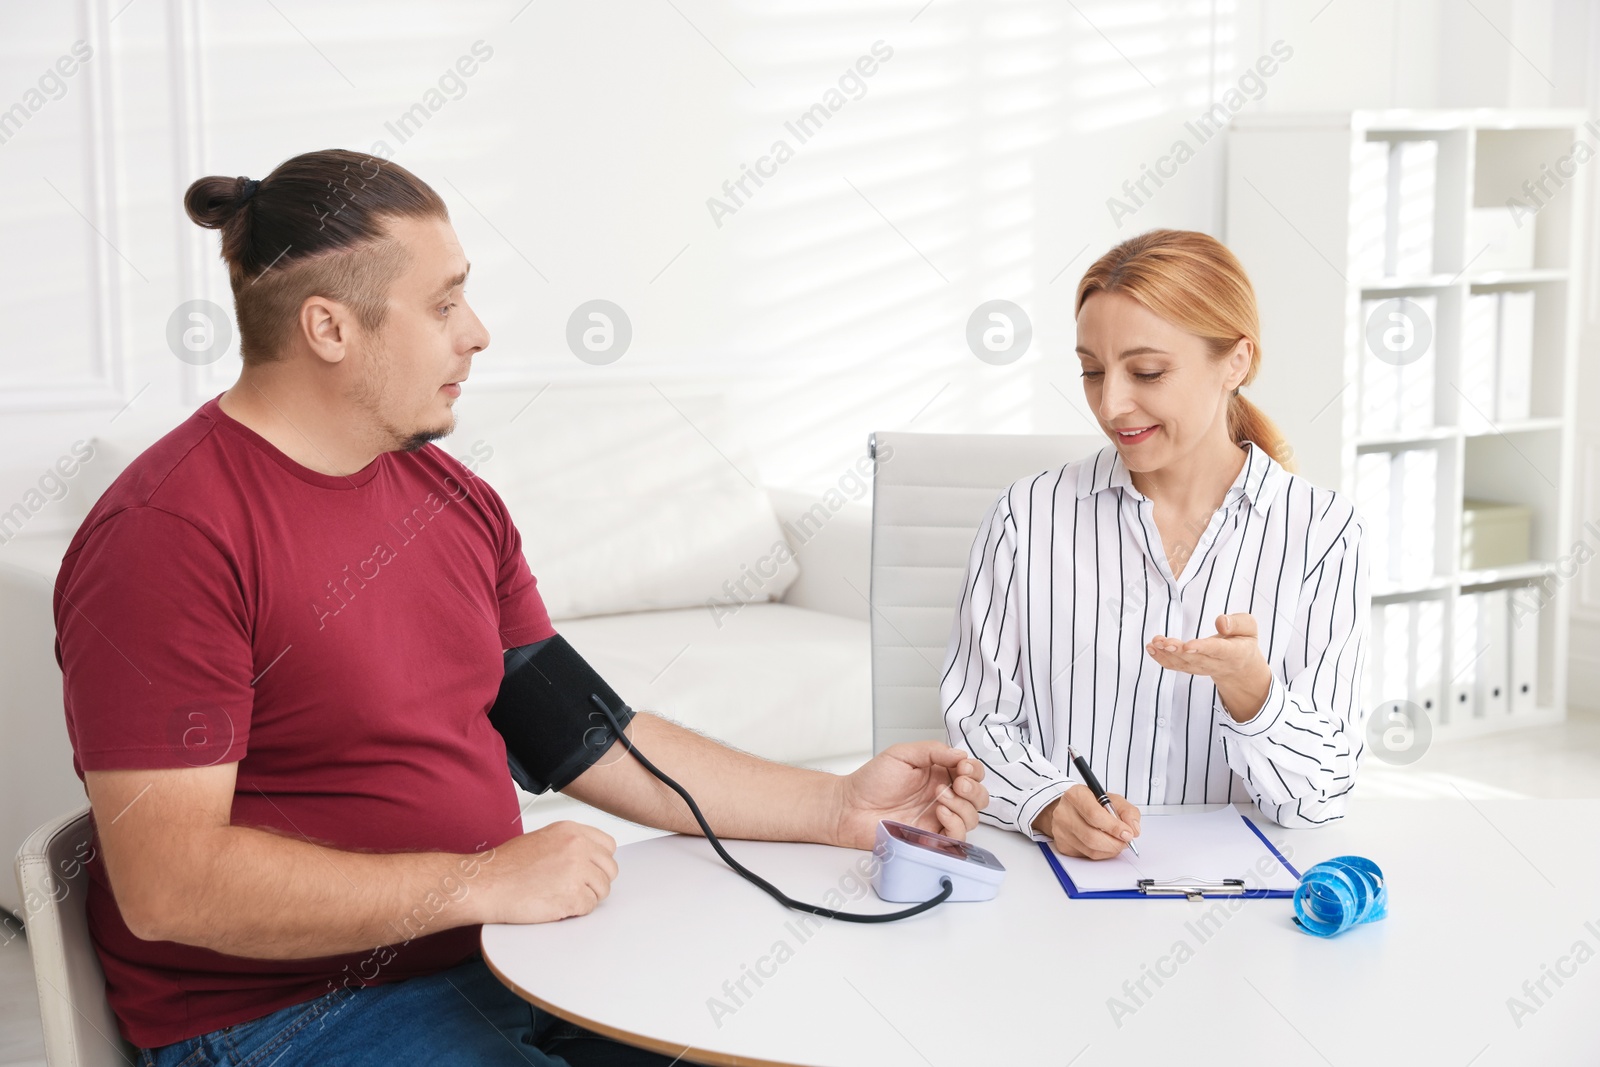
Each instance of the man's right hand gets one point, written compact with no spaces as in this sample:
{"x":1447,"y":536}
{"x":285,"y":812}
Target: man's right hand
{"x":1078,"y":826}
{"x":561,"y":870}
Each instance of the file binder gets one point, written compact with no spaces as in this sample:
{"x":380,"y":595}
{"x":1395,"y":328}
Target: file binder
{"x":1426,"y":625}
{"x":1213,"y":826}
{"x":1524,"y":626}
{"x":1413,"y":181}
{"x":1394,"y":663}
{"x":1516,"y":356}
{"x":1373,"y":492}
{"x":1417,"y":375}
{"x":1369,"y":205}
{"x":1377,"y":650}
{"x":1494,"y":695}
{"x":1415,"y":509}
{"x":1466,"y":652}
{"x":1480,"y":357}
{"x":1378,"y":382}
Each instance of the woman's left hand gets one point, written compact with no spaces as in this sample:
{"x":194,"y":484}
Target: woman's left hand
{"x":1232,"y":659}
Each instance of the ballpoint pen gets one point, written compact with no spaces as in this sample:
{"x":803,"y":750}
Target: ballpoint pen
{"x":1097,"y":789}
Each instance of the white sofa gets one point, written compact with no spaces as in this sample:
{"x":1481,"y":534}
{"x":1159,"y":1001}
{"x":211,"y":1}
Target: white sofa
{"x":636,"y":506}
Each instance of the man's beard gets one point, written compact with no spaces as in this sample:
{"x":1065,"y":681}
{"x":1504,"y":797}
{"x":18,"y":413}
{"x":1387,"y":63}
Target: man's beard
{"x":417,"y":440}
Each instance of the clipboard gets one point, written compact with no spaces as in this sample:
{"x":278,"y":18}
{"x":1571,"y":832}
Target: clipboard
{"x":1177,"y":889}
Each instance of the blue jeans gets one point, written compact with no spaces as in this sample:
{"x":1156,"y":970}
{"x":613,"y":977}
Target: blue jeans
{"x":462,"y":1016}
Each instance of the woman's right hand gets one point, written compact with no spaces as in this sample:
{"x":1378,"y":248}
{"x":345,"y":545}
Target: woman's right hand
{"x":1078,"y":826}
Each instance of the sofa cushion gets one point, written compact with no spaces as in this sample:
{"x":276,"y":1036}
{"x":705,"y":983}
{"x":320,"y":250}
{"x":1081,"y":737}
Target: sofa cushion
{"x":626,"y":499}
{"x":778,"y":681}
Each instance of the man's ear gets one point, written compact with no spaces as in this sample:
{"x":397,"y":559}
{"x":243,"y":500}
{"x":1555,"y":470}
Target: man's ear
{"x":327,"y":327}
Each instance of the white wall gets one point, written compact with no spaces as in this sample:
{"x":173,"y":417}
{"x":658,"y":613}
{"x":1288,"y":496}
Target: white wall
{"x":1584,"y":684}
{"x":578,"y":159}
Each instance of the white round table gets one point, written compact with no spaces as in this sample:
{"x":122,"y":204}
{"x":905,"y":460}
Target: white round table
{"x":687,"y":958}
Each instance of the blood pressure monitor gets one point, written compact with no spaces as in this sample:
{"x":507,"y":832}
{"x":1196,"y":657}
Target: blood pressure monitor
{"x":912,"y":863}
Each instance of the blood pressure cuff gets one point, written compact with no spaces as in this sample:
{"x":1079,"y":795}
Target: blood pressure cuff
{"x":553,"y":730}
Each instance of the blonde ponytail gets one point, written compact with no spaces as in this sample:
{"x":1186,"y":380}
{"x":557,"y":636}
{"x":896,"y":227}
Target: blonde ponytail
{"x":1246,"y":422}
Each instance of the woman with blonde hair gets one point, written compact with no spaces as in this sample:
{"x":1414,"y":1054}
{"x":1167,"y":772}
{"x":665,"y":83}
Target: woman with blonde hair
{"x":1179,"y":608}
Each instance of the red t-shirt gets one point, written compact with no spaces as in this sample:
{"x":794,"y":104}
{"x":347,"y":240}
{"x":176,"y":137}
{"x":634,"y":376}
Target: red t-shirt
{"x":339,"y":637}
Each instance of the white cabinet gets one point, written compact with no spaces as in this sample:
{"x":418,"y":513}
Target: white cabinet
{"x":1416,"y":273}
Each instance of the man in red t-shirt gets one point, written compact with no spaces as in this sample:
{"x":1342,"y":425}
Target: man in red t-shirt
{"x":281,"y":630}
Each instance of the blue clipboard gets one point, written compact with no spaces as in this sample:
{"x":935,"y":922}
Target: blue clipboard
{"x":1133,"y":894}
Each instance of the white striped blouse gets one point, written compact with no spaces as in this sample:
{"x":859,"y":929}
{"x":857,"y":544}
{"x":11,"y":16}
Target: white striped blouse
{"x":1067,"y":582}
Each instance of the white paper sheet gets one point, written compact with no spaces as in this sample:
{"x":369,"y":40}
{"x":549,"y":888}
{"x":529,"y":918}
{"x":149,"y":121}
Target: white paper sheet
{"x":1209,"y":845}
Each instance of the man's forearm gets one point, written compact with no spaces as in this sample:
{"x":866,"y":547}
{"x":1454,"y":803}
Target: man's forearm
{"x":741,"y":796}
{"x":253,"y":893}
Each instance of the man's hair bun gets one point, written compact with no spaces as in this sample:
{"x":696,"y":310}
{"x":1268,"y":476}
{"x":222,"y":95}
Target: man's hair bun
{"x":212,"y":201}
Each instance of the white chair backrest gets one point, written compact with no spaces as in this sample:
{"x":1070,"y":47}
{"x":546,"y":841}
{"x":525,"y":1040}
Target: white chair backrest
{"x":79,"y":1027}
{"x":930,"y":492}
{"x":36,"y":779}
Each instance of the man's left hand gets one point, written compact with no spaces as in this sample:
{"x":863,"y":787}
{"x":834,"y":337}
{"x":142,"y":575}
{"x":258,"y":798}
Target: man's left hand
{"x":926,"y":784}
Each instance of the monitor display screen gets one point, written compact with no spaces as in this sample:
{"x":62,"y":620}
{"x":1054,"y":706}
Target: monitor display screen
{"x":911,"y":835}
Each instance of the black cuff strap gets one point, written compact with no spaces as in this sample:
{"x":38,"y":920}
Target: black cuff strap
{"x":552,"y":729}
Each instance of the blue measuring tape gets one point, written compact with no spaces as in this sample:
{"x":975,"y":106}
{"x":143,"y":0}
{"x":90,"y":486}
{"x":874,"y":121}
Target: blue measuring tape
{"x":1338,"y":894}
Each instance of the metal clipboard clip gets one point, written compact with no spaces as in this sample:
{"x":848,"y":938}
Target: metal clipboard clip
{"x":1192,"y":889}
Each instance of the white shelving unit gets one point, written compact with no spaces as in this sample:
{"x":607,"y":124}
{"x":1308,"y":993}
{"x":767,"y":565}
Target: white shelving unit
{"x":1293,"y":219}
